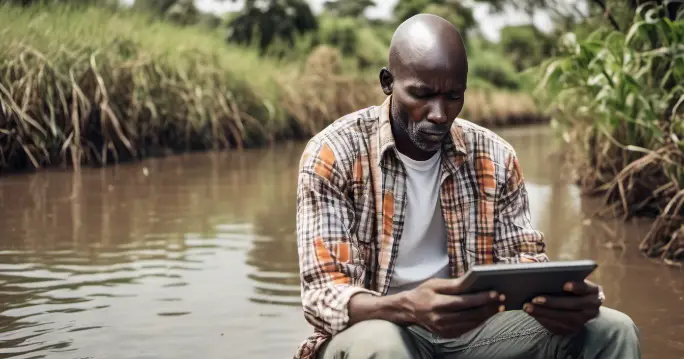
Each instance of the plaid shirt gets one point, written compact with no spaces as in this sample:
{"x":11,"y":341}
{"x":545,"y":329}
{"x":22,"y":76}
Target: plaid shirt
{"x":351,"y":204}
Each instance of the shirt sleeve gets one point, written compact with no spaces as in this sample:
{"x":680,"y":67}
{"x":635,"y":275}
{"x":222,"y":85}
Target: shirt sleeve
{"x":331,"y":269}
{"x":516,"y":239}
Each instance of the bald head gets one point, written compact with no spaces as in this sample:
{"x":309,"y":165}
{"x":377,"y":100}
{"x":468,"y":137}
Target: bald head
{"x":423,"y":40}
{"x":426,"y":78}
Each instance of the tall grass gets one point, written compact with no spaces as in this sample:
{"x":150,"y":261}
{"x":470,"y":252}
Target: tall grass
{"x":619,"y":101}
{"x":94,"y":86}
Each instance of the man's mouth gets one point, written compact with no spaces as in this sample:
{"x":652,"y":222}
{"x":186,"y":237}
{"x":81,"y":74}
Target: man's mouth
{"x":432,"y":135}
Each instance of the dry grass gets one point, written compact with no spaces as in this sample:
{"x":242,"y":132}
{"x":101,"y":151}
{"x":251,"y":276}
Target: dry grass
{"x":94,"y":86}
{"x":619,"y":97}
{"x":500,"y":108}
{"x":634,"y":182}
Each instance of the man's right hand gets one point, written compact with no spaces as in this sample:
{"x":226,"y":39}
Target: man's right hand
{"x":438,"y":306}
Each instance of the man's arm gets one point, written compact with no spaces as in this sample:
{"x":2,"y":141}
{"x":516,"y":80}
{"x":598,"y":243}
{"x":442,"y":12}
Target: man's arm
{"x":516,"y":240}
{"x":332,"y":273}
{"x":331,"y":269}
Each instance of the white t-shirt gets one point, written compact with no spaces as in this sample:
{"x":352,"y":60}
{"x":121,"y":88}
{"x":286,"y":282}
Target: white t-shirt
{"x":423,"y":244}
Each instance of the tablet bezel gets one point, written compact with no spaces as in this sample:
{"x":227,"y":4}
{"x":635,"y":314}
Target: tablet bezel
{"x":553,"y":274}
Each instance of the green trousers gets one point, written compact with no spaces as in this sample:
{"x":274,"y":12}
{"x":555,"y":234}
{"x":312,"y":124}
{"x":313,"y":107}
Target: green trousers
{"x":512,"y":334}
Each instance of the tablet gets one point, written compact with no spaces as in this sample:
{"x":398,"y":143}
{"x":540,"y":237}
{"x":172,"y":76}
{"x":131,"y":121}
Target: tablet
{"x":521,"y":282}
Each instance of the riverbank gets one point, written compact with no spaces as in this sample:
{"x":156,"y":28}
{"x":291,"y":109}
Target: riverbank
{"x":97,"y":86}
{"x":617,"y":99}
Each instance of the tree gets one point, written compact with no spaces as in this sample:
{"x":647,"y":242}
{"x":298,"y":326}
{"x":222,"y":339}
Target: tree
{"x":525,"y":45}
{"x":452,"y":10}
{"x":182,"y":12}
{"x":619,"y":13}
{"x":404,"y":9}
{"x":348,"y":8}
{"x":457,"y":14}
{"x":265,"y":22}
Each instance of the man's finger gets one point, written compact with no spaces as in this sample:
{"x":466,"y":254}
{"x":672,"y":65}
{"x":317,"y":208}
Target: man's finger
{"x":552,"y":322}
{"x":567,"y":303}
{"x":581,"y":288}
{"x":448,"y":286}
{"x":465,"y":301}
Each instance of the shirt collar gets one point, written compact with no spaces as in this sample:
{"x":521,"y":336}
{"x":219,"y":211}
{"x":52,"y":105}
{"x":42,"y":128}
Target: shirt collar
{"x":453,"y":146}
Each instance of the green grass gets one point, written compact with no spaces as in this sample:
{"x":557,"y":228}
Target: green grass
{"x":92,"y":86}
{"x":117,"y":33}
{"x":618,"y":98}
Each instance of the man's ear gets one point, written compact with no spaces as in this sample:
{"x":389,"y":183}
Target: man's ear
{"x":386,"y":81}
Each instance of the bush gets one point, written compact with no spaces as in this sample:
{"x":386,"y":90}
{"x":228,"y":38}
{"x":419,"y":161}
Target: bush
{"x":618,"y":98}
{"x":341,"y":33}
{"x":95,"y":87}
{"x":494,"y":71}
{"x":357,"y":40}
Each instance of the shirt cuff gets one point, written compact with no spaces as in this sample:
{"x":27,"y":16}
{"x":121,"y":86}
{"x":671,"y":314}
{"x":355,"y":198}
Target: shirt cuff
{"x":342,"y":301}
{"x":531,"y":257}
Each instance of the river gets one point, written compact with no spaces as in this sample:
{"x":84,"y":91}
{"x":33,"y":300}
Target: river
{"x":195,"y":256}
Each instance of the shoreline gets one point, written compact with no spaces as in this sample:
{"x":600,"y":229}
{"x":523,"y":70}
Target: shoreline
{"x":160,"y":152}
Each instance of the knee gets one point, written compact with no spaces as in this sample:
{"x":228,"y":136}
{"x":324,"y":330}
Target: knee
{"x":613,"y":325}
{"x":377,"y":339}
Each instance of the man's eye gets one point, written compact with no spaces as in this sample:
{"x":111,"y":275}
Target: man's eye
{"x":420,"y":94}
{"x":454,"y":96}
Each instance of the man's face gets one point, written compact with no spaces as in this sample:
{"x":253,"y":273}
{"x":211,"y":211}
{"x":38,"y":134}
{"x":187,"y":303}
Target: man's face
{"x":426,"y":99}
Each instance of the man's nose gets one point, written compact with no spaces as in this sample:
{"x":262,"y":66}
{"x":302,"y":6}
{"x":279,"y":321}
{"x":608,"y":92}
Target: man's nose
{"x":437,"y":113}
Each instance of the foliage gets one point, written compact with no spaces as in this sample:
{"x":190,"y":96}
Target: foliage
{"x":405,"y":9}
{"x":266,"y":22}
{"x":90,"y":87}
{"x":158,"y":7}
{"x":617,"y":13}
{"x":453,"y":11}
{"x":179,"y":12}
{"x":348,"y":8}
{"x":372,"y":50}
{"x":183,"y":12}
{"x":209,"y":20}
{"x":618,"y":97}
{"x":457,"y":14}
{"x":525,"y":45}
{"x":356,"y":41}
{"x":488,"y":63}
{"x":341,"y":33}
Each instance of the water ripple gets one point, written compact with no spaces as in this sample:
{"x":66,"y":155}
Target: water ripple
{"x":111,"y":261}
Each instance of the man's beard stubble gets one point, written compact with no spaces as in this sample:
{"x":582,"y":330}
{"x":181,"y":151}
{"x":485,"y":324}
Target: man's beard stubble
{"x":402,"y":119}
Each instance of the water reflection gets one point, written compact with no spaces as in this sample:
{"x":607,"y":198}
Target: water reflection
{"x":196,"y":256}
{"x":125,"y":240}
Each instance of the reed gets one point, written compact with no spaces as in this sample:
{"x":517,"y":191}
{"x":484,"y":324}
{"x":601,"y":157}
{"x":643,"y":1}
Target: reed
{"x":618,"y":101}
{"x":93,"y":86}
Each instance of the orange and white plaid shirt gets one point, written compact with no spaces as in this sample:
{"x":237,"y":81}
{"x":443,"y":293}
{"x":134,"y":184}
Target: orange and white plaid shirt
{"x":351,"y":204}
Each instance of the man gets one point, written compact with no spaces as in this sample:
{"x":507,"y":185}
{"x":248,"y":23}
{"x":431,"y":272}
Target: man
{"x":396,"y":202}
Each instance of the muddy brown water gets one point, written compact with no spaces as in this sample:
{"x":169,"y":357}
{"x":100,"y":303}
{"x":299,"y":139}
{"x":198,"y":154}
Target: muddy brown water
{"x":195,"y":256}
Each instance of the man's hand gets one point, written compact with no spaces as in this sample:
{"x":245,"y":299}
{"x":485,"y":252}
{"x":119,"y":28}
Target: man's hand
{"x":567,"y":315}
{"x":436,"y":305}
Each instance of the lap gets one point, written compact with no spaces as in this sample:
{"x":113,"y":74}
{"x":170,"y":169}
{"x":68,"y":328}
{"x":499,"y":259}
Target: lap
{"x":515,"y":334}
{"x":512,"y":334}
{"x":375,"y":339}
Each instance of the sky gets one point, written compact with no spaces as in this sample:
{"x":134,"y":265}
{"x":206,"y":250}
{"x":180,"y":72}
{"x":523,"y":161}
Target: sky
{"x":489,"y":24}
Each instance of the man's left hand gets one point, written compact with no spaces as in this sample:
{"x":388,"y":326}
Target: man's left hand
{"x":567,"y":315}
